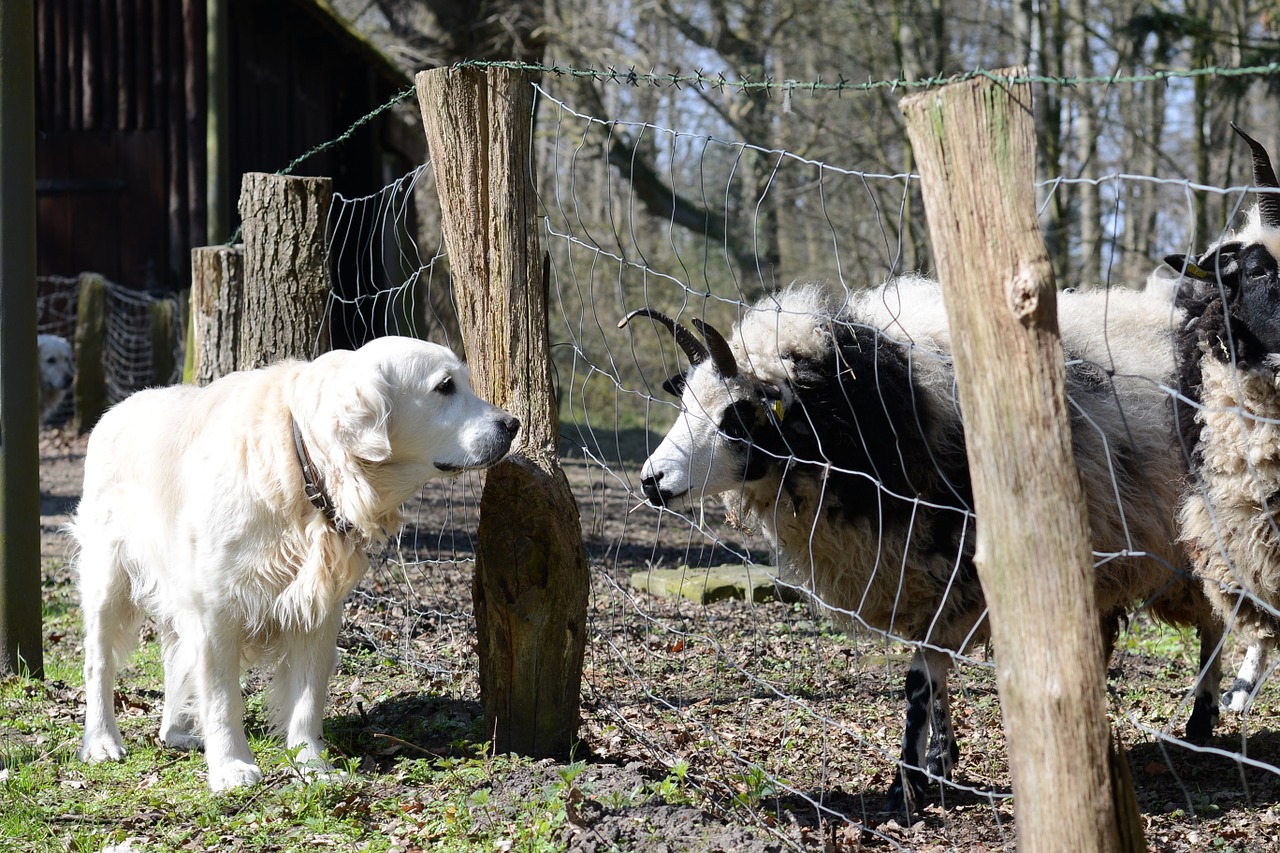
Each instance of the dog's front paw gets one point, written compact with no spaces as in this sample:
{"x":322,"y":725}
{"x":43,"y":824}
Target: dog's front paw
{"x":103,"y":747}
{"x":234,"y":774}
{"x":176,"y":737}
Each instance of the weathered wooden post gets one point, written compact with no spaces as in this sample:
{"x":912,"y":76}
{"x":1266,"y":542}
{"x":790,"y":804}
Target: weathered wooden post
{"x":264,"y":300}
{"x":163,"y":314}
{"x":531,"y":574}
{"x":91,"y":381}
{"x":20,"y":614}
{"x":975,"y":145}
{"x":217,"y":290}
{"x":286,"y":283}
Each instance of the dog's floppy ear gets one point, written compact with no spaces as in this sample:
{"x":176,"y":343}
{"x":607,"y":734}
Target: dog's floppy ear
{"x":362,"y":413}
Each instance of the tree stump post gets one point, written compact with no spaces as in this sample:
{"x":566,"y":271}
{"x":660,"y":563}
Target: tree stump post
{"x":90,"y":389}
{"x":975,"y":146}
{"x":531,"y":576}
{"x":164,"y":340}
{"x":286,"y":281}
{"x":217,"y":291}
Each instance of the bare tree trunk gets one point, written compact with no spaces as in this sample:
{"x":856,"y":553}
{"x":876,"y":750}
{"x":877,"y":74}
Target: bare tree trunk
{"x":286,"y":280}
{"x":531,"y":574}
{"x":975,"y":143}
{"x":1086,"y":144}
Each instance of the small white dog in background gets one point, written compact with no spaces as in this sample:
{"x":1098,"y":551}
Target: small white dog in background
{"x":237,"y":515}
{"x":57,"y":371}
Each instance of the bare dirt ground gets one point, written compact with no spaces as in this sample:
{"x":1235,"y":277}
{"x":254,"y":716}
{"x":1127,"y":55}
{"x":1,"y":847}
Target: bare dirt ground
{"x":765,"y":727}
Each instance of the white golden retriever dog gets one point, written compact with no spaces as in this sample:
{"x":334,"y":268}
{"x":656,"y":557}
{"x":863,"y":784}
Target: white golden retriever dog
{"x":57,"y":371}
{"x":238,"y":514}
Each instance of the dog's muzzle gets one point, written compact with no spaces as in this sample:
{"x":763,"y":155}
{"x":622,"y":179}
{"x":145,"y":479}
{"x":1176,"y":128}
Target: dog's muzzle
{"x":491,"y":451}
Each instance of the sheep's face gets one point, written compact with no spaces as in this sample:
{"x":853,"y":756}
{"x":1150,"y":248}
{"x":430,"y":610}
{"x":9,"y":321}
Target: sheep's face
{"x":1248,"y":278}
{"x":714,"y":445}
{"x":1259,"y":298}
{"x":1243,"y":272}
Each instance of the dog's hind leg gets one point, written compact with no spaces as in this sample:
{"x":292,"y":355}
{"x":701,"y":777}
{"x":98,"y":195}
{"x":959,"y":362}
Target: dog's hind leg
{"x":111,"y":622}
{"x":298,"y":691}
{"x":179,"y":721}
{"x":217,"y":669}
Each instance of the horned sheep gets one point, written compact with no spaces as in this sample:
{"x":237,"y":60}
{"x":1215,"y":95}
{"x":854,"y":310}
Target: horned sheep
{"x":834,"y":424}
{"x":1229,"y":423}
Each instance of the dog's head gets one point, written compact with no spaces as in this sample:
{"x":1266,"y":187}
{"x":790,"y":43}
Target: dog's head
{"x":57,"y":367}
{"x":407,"y":405}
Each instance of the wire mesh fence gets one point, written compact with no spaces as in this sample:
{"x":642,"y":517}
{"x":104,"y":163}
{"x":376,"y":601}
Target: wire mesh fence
{"x":751,"y":661}
{"x":128,"y":353}
{"x":740,"y":634}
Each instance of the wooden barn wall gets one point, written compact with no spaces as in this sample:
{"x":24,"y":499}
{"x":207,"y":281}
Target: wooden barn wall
{"x":121,"y":103}
{"x":120,"y":166}
{"x":294,"y":86}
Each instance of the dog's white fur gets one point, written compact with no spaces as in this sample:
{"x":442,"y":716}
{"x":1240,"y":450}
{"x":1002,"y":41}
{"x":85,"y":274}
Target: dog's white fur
{"x":194,"y":511}
{"x":57,"y":371}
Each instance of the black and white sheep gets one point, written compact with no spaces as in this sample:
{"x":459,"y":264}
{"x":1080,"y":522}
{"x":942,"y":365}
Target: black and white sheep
{"x":836,"y":427}
{"x":1229,"y":348}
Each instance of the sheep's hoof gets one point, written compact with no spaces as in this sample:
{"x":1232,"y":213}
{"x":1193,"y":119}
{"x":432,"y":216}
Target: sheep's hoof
{"x":1237,"y":698}
{"x":906,"y":797}
{"x":942,"y":759}
{"x":1204,"y":716}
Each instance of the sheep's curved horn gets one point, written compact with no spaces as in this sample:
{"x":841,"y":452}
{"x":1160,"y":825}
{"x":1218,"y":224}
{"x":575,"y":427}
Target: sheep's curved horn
{"x":1263,"y":176}
{"x":691,"y":345}
{"x":721,"y":354}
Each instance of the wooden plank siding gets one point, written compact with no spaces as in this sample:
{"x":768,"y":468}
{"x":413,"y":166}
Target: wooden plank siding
{"x":120,"y":147}
{"x":121,"y":121}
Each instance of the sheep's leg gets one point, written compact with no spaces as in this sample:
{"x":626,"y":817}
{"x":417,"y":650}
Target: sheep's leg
{"x":1204,"y":710}
{"x":926,"y":703}
{"x":1242,"y":689}
{"x":944,"y":752}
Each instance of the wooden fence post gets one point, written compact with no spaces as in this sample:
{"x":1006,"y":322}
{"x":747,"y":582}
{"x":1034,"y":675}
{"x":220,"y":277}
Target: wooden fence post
{"x":217,"y":291}
{"x":21,"y":635}
{"x":164,"y":339}
{"x":975,"y":145}
{"x":91,"y":381}
{"x":286,"y":282}
{"x":531,"y":575}
{"x":265,"y":299}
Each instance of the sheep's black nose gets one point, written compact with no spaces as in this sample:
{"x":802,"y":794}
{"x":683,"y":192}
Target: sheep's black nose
{"x":651,"y":491}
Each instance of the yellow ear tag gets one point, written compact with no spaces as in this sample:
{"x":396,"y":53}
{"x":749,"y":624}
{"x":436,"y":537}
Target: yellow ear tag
{"x":777,"y":409}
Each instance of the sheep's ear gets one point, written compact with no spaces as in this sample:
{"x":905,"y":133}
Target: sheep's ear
{"x":363,"y":429}
{"x":674,"y":385}
{"x":777,"y":403}
{"x":1185,"y":265}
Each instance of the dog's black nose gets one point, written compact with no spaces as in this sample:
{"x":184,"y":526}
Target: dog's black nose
{"x":511,"y":424}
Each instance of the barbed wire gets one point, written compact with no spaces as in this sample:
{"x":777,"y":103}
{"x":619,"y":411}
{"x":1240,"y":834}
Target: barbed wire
{"x":701,"y":80}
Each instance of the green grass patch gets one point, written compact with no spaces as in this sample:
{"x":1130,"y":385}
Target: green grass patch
{"x":413,"y":776}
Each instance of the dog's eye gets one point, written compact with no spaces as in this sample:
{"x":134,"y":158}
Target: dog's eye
{"x":445,"y":386}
